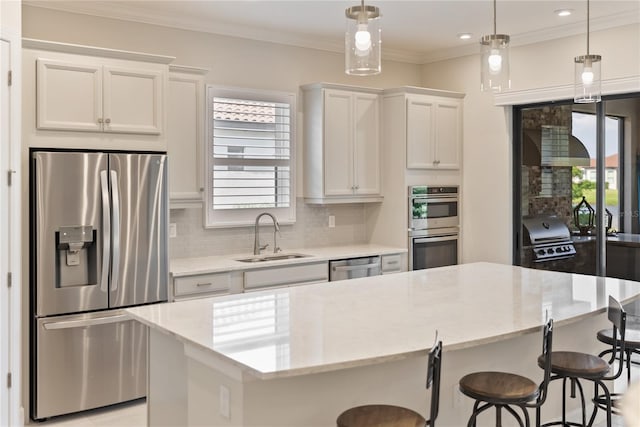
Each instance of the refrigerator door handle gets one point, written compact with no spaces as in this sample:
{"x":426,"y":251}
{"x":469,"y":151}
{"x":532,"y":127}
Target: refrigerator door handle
{"x":115,"y":201}
{"x":106,"y":232}
{"x":81,"y":323}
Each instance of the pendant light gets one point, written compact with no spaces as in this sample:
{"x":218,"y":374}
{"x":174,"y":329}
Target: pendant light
{"x":362,"y":40}
{"x":494,"y":57}
{"x":587,"y":85}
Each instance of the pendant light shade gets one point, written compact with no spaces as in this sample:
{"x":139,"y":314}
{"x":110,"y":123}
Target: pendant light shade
{"x":362,"y":41}
{"x":588,"y":79}
{"x":494,"y":60}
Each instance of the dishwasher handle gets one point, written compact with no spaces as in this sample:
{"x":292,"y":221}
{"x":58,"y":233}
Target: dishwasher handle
{"x":355,"y":267}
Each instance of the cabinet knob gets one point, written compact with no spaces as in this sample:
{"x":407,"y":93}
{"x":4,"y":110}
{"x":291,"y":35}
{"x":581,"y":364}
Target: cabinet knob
{"x":100,"y":120}
{"x":107,"y":121}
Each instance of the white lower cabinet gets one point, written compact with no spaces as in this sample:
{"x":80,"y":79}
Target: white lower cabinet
{"x":299,"y":274}
{"x":392,"y":264}
{"x":202,"y":285}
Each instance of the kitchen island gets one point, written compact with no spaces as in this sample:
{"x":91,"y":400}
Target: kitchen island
{"x":299,"y":356}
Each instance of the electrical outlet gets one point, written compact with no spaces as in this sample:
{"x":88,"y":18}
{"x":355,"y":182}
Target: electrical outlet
{"x":224,"y":402}
{"x":173,"y":229}
{"x":332,"y":221}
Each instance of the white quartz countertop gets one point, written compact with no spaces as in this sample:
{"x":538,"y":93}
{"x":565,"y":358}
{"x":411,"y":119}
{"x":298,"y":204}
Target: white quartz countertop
{"x":328,"y":326}
{"x":215,"y":264}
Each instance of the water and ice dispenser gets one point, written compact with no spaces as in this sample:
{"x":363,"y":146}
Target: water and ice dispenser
{"x":76,"y":256}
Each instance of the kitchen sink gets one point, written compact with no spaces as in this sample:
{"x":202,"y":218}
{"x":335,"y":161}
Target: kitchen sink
{"x":274,"y":257}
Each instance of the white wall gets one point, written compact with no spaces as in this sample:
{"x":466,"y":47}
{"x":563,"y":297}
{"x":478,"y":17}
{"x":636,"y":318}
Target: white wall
{"x":487,"y":174}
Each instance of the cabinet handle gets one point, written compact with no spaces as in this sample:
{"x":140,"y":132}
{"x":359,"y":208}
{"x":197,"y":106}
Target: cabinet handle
{"x":100,"y":120}
{"x":107,"y":121}
{"x":391,"y":262}
{"x":203,"y":284}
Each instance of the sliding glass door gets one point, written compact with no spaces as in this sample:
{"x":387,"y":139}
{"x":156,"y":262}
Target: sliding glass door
{"x":576,"y":178}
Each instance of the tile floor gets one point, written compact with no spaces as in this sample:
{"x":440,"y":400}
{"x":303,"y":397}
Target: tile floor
{"x":131,"y":414}
{"x":134,"y":415}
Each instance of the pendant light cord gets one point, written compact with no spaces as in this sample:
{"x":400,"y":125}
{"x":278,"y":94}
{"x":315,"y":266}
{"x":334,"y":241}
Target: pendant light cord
{"x":494,"y":19}
{"x":587,"y":27}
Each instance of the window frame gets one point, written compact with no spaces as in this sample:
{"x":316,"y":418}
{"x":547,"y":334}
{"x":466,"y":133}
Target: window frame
{"x":241,"y":217}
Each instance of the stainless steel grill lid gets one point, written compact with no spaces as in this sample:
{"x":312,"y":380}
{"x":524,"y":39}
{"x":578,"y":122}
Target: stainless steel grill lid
{"x":546,"y":229}
{"x":550,"y":237}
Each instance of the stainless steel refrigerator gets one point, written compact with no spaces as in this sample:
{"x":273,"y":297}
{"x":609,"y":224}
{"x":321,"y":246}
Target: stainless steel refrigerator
{"x":98,"y":243}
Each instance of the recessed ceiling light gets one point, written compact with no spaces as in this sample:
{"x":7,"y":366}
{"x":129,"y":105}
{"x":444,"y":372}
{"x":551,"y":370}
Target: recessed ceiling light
{"x":464,"y":36}
{"x":563,"y":12}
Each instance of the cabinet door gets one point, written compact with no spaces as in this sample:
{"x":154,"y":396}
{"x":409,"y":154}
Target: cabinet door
{"x":133,"y":100}
{"x":338,"y":143}
{"x":185,"y":138}
{"x":367,"y":144}
{"x":69,"y":96}
{"x":448,"y":134}
{"x":420,"y":133}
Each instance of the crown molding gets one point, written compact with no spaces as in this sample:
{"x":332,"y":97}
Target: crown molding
{"x":95,"y":51}
{"x":136,"y":12}
{"x":532,"y":37}
{"x":558,"y":93}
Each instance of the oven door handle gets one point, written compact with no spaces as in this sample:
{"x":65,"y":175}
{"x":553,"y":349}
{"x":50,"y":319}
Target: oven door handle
{"x":438,"y":200}
{"x":436,"y":239}
{"x":355,"y":267}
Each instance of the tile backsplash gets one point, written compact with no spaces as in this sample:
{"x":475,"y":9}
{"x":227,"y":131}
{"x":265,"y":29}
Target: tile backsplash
{"x":310,"y":230}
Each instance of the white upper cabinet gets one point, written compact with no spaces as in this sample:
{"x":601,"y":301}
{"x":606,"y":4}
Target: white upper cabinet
{"x":185,"y":136}
{"x":434,"y":132}
{"x":341,"y":144}
{"x":69,"y":96}
{"x":89,"y":96}
{"x":132,"y":100}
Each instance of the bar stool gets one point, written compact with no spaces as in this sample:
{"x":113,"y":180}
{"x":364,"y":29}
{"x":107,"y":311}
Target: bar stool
{"x":575,"y":366}
{"x":631,"y":346}
{"x":503,"y":390}
{"x":397,"y":416}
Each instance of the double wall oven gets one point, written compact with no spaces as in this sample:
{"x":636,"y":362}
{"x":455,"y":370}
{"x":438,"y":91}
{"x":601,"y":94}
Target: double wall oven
{"x":433,"y":226}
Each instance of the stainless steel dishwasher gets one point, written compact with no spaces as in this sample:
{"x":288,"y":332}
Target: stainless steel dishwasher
{"x":354,"y":267}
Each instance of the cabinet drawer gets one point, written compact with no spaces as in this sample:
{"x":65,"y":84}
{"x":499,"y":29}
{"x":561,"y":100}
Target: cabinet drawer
{"x":391,"y":263}
{"x":284,"y":276}
{"x":203,"y":283}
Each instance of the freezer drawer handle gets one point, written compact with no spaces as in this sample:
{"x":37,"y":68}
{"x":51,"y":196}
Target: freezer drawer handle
{"x":355,"y":267}
{"x":86,"y":322}
{"x":106,"y":231}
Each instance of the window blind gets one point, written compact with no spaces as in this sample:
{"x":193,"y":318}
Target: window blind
{"x":251,"y":154}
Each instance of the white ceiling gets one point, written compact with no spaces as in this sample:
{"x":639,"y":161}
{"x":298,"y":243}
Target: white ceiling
{"x":417,"y":31}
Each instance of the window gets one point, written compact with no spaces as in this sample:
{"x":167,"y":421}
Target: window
{"x":250,"y":161}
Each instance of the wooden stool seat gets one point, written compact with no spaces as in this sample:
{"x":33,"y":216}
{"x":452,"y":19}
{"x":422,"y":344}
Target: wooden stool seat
{"x":499,"y":386}
{"x":577,"y":365}
{"x":572,"y":367}
{"x":380,"y":416}
{"x":631,"y":338}
{"x":512,"y":393}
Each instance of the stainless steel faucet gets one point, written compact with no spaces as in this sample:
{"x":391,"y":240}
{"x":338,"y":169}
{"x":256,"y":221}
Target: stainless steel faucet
{"x":256,"y":242}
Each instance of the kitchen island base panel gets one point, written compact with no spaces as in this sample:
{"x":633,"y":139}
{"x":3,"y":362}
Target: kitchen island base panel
{"x":186,"y":382}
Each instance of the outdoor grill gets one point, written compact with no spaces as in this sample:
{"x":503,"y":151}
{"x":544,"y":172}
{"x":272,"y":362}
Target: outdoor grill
{"x":549,"y":238}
